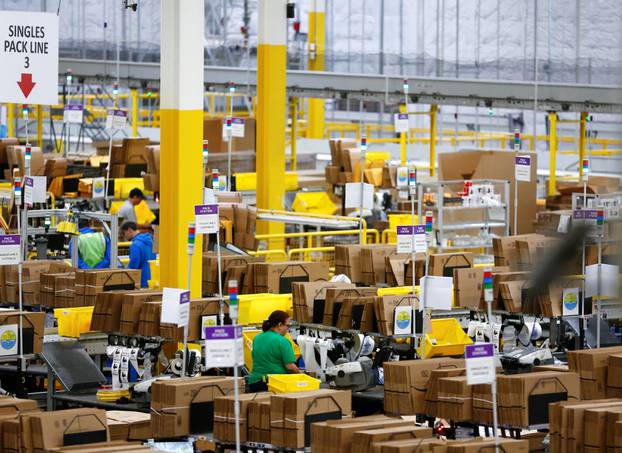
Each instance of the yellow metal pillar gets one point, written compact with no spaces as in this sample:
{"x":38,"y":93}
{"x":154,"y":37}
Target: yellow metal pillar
{"x":293,"y":114}
{"x":552,"y":153}
{"x":181,"y":81}
{"x":40,"y":126}
{"x":271,"y":102}
{"x":403,"y":138}
{"x":10,"y":119}
{"x":134,"y":94}
{"x":316,"y":49}
{"x":582,"y":128}
{"x":433,"y":110}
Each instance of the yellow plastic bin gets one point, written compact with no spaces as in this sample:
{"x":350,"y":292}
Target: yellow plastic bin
{"x":249,"y":335}
{"x":254,"y":309}
{"x":314,"y":203}
{"x":289,"y":383}
{"x":446,"y":339}
{"x":73,"y":321}
{"x":248,"y":181}
{"x":396,"y":220}
{"x":154,"y":266}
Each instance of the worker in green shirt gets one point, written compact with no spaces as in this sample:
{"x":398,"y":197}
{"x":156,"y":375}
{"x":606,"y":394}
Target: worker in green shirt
{"x":272,"y":352}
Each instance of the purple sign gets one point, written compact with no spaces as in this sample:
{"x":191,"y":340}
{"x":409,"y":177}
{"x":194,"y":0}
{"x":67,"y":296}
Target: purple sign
{"x":523,"y":160}
{"x":408,"y":229}
{"x":10,"y":239}
{"x":402,"y":116}
{"x":117,"y":112}
{"x":585,"y":214}
{"x":29,"y":182}
{"x":73,"y":107}
{"x":184,"y":298}
{"x":206,"y":209}
{"x":237,"y":120}
{"x":223,"y":332}
{"x":479,"y":350}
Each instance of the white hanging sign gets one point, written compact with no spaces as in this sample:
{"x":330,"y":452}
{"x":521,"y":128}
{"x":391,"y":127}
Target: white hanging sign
{"x":116,"y":119}
{"x":8,"y":339}
{"x":405,"y":235}
{"x":175,"y":306}
{"x":353,"y":195}
{"x":10,"y":250}
{"x":206,"y":218}
{"x":480,"y":363}
{"x":403,"y":322}
{"x":29,"y":56}
{"x":401,"y":122}
{"x":29,"y":189}
{"x":99,"y":188}
{"x":522,"y":168}
{"x":402,"y":177}
{"x":224,"y":346}
{"x":237,"y":128}
{"x":73,"y":114}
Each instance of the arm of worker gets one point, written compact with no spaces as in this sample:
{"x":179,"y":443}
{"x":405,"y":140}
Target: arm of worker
{"x":135,"y":256}
{"x":289,"y":359}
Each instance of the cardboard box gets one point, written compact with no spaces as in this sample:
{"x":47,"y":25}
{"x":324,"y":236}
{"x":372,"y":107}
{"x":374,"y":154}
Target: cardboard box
{"x":16,"y":158}
{"x":31,"y":279}
{"x":479,"y":164}
{"x":212,"y":131}
{"x":524,"y":399}
{"x":409,"y":446}
{"x":292,"y":414}
{"x":149,"y":319}
{"x":335,"y":298}
{"x":412,"y":376}
{"x":224,"y":415}
{"x":131,"y":308}
{"x":91,"y":282}
{"x":309,"y":299}
{"x":468,"y":287}
{"x":364,"y":440}
{"x":68,"y":427}
{"x":444,"y":264}
{"x":33,"y":326}
{"x":128,"y":425}
{"x":278,"y":278}
{"x":198,"y":309}
{"x":210,"y":270}
{"x":348,"y":262}
{"x":455,"y":399}
{"x":506,"y":252}
{"x":433,"y":387}
{"x":591,"y":365}
{"x":153,"y":158}
{"x":335,"y":436}
{"x":488,"y":445}
{"x":385,"y":306}
{"x":373,"y":262}
{"x":180,"y":407}
{"x":530,"y":248}
{"x":259,"y":421}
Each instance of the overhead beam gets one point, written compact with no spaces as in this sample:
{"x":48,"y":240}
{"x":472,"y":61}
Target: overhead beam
{"x":558,"y":97}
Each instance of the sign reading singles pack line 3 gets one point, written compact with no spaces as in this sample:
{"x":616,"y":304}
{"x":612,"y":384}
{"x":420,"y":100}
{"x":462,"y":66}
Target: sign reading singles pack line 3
{"x":29,"y":56}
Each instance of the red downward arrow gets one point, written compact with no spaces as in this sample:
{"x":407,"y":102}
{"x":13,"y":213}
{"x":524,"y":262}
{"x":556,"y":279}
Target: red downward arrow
{"x":26,"y":84}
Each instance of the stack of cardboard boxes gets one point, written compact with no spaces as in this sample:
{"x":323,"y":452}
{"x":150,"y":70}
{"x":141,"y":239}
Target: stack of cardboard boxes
{"x":233,"y":267}
{"x":309,"y":299}
{"x":31,"y":280}
{"x":597,"y":371}
{"x":151,"y":179}
{"x":89,"y":283}
{"x":130,"y":159}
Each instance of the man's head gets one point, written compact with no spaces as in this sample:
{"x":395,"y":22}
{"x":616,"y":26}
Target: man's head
{"x":136,"y":196}
{"x":129,"y":230}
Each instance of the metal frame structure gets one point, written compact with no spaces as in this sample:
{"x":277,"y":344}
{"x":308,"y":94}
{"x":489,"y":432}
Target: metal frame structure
{"x":560,"y":97}
{"x":104,"y":218}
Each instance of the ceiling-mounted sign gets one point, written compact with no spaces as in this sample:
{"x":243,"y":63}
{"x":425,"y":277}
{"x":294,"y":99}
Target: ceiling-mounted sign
{"x":73,"y":114}
{"x":29,"y":56}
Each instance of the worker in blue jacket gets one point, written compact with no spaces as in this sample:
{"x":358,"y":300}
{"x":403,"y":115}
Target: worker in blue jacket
{"x":93,"y":249}
{"x":141,"y":251}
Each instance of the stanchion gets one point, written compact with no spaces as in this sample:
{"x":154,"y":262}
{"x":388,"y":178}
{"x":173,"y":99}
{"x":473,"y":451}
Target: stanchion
{"x":230,"y":134}
{"x":362,"y":204}
{"x":233,"y":312}
{"x":191,"y":238}
{"x":488,"y":298}
{"x":517,"y":145}
{"x":205,"y":157}
{"x":429,"y":219}
{"x":20,"y":292}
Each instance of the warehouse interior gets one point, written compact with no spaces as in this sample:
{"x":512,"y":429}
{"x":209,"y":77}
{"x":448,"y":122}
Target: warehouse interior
{"x":367,"y":226}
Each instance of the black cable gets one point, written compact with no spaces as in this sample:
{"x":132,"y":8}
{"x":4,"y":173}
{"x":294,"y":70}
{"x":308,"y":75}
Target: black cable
{"x":58,"y":9}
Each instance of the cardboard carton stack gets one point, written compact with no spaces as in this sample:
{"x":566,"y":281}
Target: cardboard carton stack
{"x":151,"y":179}
{"x":432,"y":390}
{"x":360,"y":434}
{"x":33,"y":328}
{"x":149,"y":319}
{"x":202,"y":311}
{"x":523,"y":399}
{"x":384,"y":307}
{"x":309,"y":299}
{"x":293,"y":414}
{"x":259,"y":421}
{"x":373,"y":263}
{"x":335,"y":300}
{"x":108,"y":309}
{"x":131,"y":308}
{"x":180,"y":407}
{"x":468,"y":287}
{"x":358,"y":313}
{"x":591,"y":365}
{"x":16,"y":159}
{"x":56,"y":429}
{"x":277,"y":278}
{"x":506,"y":251}
{"x":444,"y":264}
{"x":89,"y":283}
{"x":224,"y":416}
{"x":482,"y":404}
{"x":455,"y":399}
{"x":11,"y":411}
{"x":243,"y":218}
{"x":55,"y":291}
{"x":399,"y":269}
{"x":31,"y":279}
{"x":405,"y":383}
{"x":233,"y":267}
{"x":130,"y":159}
{"x":340,"y":171}
{"x":128,"y":425}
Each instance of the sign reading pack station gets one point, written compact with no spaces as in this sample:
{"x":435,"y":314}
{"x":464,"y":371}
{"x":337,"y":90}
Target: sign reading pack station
{"x":10,"y":249}
{"x":224,"y":346}
{"x":409,"y":235}
{"x":480,"y":363}
{"x":29,"y":56}
{"x":206,"y":218}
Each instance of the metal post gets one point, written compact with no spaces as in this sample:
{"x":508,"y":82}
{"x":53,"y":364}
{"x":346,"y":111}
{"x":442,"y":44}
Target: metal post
{"x":191,"y":238}
{"x":552,"y":153}
{"x":134,"y":94}
{"x":493,"y":385}
{"x":10,"y":119}
{"x":535,"y":76}
{"x":40,"y":126}
{"x":221,"y":301}
{"x":381,"y":50}
{"x":403,"y":137}
{"x":582,"y":128}
{"x":293,"y":114}
{"x":599,"y":290}
{"x":433,"y":110}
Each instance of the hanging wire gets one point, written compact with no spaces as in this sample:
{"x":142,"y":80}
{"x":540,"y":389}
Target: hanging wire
{"x":58,"y":9}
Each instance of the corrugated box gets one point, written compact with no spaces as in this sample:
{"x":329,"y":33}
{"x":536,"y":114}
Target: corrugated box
{"x":149,"y":319}
{"x":506,"y":252}
{"x":409,"y":446}
{"x":364,"y":440}
{"x":131,"y":308}
{"x":444,"y":264}
{"x":31,"y":275}
{"x":68,"y":427}
{"x":33,"y":327}
{"x":309,"y":300}
{"x":128,"y":425}
{"x":91,"y":282}
{"x":335,"y":299}
{"x":432,"y":390}
{"x":277,"y":278}
{"x":591,"y":365}
{"x":224,"y":415}
{"x":292,"y":414}
{"x":455,"y":399}
{"x":259,"y":421}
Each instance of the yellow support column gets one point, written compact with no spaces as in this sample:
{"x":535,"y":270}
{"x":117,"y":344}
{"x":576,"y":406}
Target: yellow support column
{"x":181,"y":81}
{"x":271,"y":102}
{"x":433,"y":110}
{"x":10,"y":119}
{"x":40,"y":126}
{"x":134,"y":94}
{"x":403,"y":138}
{"x":316,"y":49}
{"x":582,"y":124}
{"x":293,"y":115}
{"x":552,"y":153}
